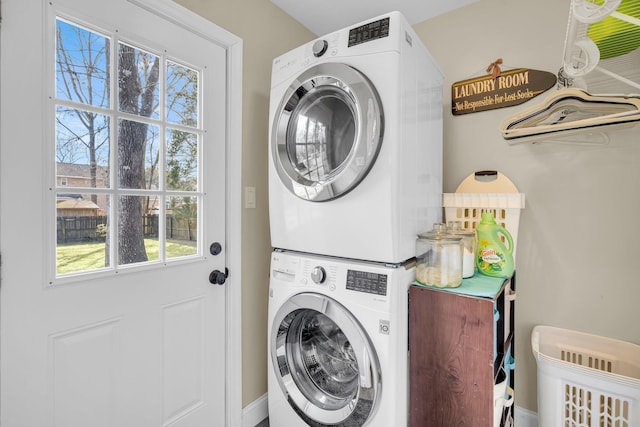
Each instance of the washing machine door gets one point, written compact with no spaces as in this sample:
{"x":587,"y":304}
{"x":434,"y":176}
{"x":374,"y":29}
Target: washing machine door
{"x":324,"y":362}
{"x":327,"y":132}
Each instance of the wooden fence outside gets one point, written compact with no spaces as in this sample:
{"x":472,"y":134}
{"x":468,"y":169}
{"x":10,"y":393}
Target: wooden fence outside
{"x":85,"y":228}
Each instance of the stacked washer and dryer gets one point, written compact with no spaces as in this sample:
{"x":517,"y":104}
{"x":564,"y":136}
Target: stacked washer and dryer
{"x":355,"y":172}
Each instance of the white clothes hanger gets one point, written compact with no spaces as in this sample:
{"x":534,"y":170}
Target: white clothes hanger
{"x":571,"y":111}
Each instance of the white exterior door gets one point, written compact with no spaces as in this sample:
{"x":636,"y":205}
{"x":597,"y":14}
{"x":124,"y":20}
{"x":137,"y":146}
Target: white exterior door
{"x":114,"y":139}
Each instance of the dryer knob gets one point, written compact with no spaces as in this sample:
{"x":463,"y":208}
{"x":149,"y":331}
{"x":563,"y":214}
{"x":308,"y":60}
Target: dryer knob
{"x":318,"y":275}
{"x":319,"y":48}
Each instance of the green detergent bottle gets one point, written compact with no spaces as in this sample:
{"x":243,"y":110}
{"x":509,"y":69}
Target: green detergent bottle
{"x":493,"y":257}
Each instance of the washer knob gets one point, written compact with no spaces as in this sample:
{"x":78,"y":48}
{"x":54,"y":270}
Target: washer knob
{"x":318,"y":275}
{"x":319,"y":48}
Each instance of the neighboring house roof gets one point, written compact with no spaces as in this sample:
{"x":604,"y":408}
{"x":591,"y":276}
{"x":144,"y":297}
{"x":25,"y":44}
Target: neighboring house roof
{"x":80,"y":171}
{"x":76,"y":204}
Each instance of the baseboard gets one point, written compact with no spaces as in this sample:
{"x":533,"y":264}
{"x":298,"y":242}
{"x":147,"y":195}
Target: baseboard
{"x":258,"y":410}
{"x":255,"y":412}
{"x":525,"y":418}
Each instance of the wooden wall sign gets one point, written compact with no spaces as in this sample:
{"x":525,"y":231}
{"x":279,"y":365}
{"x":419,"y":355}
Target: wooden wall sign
{"x":509,"y":88}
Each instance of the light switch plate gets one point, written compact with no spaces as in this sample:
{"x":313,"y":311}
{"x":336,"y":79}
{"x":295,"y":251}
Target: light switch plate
{"x":250,"y":197}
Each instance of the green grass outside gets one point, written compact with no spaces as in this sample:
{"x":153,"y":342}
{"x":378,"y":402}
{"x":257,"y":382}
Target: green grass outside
{"x":78,"y":257}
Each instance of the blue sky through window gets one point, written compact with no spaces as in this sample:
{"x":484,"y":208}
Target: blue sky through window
{"x":83,"y":73}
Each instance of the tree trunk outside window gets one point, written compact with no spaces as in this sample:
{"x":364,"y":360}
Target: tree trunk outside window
{"x":132,"y":138}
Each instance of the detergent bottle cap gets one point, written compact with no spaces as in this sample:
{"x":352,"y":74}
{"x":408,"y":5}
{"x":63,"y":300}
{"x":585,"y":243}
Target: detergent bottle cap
{"x":487,"y":218}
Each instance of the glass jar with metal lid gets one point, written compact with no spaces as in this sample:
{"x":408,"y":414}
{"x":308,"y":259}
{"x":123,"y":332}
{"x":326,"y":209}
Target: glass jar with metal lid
{"x":439,"y":258}
{"x":469,"y":247}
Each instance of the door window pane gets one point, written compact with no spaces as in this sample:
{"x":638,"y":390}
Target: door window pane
{"x":82,"y":65}
{"x":132,"y":242}
{"x":138,"y":91}
{"x":152,"y":158}
{"x":182,"y":95}
{"x":182,"y":226}
{"x":81,"y":232}
{"x":151,"y":226}
{"x":182,"y":160}
{"x":82,"y":148}
{"x":138,"y":155}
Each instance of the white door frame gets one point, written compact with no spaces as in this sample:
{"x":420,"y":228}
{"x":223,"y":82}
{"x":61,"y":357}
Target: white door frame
{"x":181,"y":16}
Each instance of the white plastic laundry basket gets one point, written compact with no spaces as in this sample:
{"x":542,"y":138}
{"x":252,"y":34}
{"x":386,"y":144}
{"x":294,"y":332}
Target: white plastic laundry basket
{"x":586,"y":380}
{"x":485,"y":191}
{"x":468,"y":208}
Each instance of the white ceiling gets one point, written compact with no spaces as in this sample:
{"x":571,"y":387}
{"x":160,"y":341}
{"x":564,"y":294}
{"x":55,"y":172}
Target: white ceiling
{"x":325,"y":16}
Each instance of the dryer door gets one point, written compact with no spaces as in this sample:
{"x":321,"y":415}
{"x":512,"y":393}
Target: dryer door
{"x":327,"y":132}
{"x":324,"y":361}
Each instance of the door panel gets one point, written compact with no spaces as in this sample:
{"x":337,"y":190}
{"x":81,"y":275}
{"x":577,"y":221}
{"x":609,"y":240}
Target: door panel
{"x":83,"y":365}
{"x":183,"y":366}
{"x":141,"y":345}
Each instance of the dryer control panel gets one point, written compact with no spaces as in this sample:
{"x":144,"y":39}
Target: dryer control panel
{"x":370,"y":31}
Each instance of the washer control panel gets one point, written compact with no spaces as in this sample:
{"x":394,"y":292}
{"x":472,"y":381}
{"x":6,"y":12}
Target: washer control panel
{"x":329,"y":274}
{"x":364,"y":281}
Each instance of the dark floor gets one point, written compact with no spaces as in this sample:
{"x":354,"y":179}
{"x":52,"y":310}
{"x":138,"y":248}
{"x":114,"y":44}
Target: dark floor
{"x":264,"y":423}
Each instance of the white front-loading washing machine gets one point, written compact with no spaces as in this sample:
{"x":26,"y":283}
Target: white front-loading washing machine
{"x":355,"y":158}
{"x":338,"y":338}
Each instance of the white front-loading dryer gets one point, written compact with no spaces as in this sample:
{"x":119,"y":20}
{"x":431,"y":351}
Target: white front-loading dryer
{"x":355,"y":158}
{"x":338,"y":338}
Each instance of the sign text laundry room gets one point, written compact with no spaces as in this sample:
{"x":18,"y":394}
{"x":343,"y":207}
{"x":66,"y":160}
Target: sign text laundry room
{"x":498,"y":90}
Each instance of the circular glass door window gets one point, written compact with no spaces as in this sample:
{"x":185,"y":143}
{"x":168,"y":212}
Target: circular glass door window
{"x":327,"y":132}
{"x":324,"y":362}
{"x":321,"y":134}
{"x":329,"y":374}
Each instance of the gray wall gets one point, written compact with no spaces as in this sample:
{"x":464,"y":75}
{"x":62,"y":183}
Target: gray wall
{"x":578,"y":233}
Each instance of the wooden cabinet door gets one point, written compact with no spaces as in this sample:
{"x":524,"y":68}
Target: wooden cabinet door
{"x":451,"y":357}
